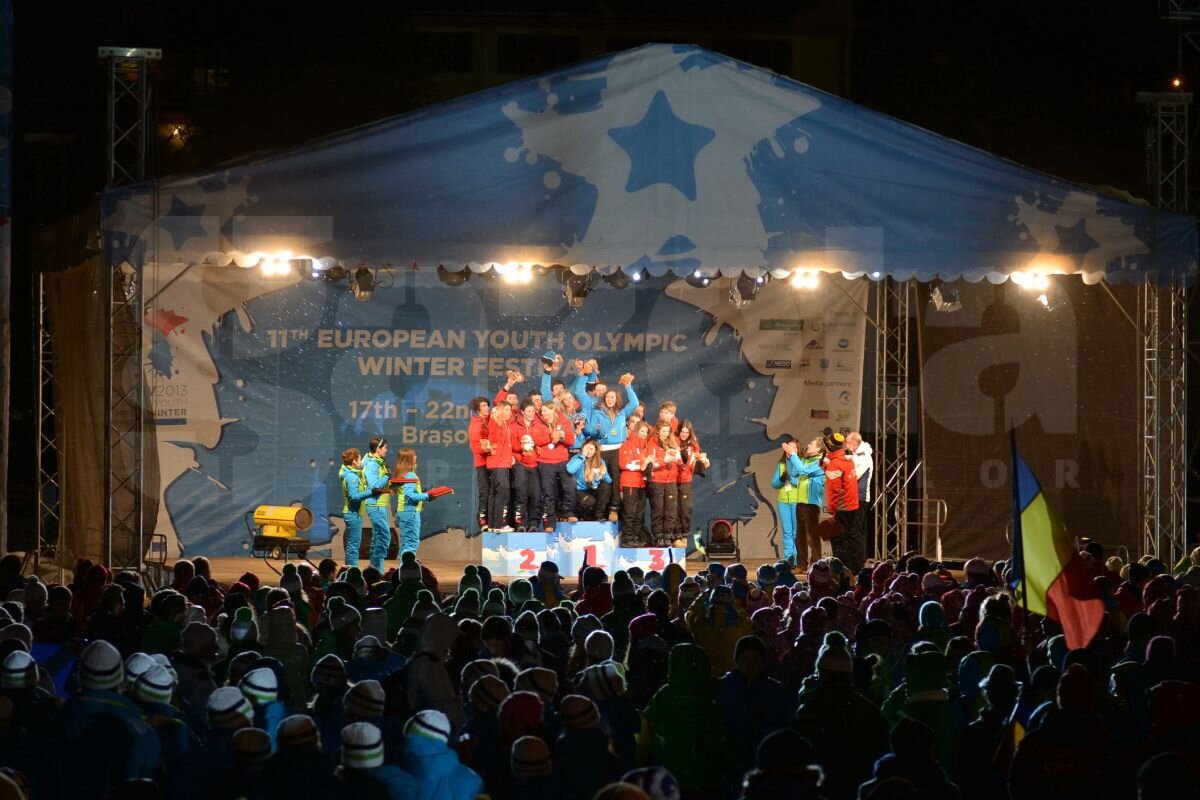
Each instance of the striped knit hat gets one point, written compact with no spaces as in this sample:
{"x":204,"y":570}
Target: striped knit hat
{"x":474,"y":670}
{"x":541,"y":681}
{"x":487,"y":693}
{"x":298,"y":730}
{"x":19,"y":671}
{"x":251,"y":747}
{"x":329,"y":670}
{"x":135,"y":665}
{"x":260,"y":686}
{"x":530,"y":757}
{"x":604,"y":680}
{"x":229,"y":708}
{"x":364,"y":700}
{"x":429,"y":724}
{"x":155,"y":685}
{"x":100,"y":667}
{"x":362,"y":746}
{"x":578,"y":712}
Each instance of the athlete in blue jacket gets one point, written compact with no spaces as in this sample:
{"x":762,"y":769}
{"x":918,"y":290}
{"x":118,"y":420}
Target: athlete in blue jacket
{"x":607,"y":425}
{"x":409,"y":501}
{"x":354,"y":491}
{"x":592,"y":493}
{"x":378,"y":479}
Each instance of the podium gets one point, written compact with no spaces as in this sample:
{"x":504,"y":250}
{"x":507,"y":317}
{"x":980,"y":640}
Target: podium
{"x":520,"y":555}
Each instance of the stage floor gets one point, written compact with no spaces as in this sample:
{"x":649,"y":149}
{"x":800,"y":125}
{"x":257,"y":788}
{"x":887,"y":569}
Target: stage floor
{"x":228,"y":569}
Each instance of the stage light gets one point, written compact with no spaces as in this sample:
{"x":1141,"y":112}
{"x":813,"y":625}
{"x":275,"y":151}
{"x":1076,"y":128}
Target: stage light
{"x":804,"y":279}
{"x":1044,"y":300}
{"x":636,"y":277}
{"x":743,"y":291}
{"x":275,"y":268}
{"x":698,"y":280}
{"x":618,"y":280}
{"x":945,"y":298}
{"x":363,"y":284}
{"x":1176,"y":82}
{"x":1038,"y":281}
{"x":451,"y":278}
{"x":576,"y":287}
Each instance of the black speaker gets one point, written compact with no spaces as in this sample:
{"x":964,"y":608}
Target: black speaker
{"x":722,"y":541}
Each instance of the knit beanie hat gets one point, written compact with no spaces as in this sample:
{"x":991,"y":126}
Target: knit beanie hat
{"x":1077,"y":688}
{"x":290,"y":581}
{"x":539,"y":680}
{"x":362,"y":746}
{"x":467,"y":605}
{"x":593,"y":576}
{"x":599,"y":646}
{"x":689,"y":590}
{"x":229,"y":708}
{"x":621,"y":791}
{"x":342,"y":615}
{"x":260,"y":686}
{"x":487,"y":693}
{"x":429,"y":724}
{"x":519,"y":591}
{"x":196,"y":637}
{"x":19,"y":671}
{"x":583,"y":627}
{"x":251,"y":747}
{"x":656,"y":782}
{"x":622,"y":584}
{"x":369,"y":647}
{"x":155,"y":685}
{"x":410,"y":568}
{"x":603,"y":681}
{"x":298,"y":730}
{"x":354,"y":577}
{"x":494,"y":606}
{"x":819,"y":573}
{"x":474,"y":670}
{"x":548,"y":571}
{"x":243,"y":628}
{"x":766,"y":577}
{"x":470,"y":580}
{"x":135,"y":665}
{"x":530,"y":757}
{"x":578,"y":712}
{"x":526,"y":626}
{"x":375,"y":622}
{"x":241,"y":664}
{"x":329,"y":671}
{"x":833,"y":657}
{"x":641,"y":626}
{"x":925,"y":671}
{"x":364,"y":700}
{"x":100,"y":667}
{"x":522,"y":711}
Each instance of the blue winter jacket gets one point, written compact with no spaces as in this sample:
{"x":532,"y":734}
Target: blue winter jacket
{"x":354,"y":489}
{"x":611,"y":431}
{"x":108,"y":740}
{"x":437,"y":771}
{"x":575,"y":467}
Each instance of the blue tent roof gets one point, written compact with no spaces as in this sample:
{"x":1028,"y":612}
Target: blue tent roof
{"x":663,"y":158}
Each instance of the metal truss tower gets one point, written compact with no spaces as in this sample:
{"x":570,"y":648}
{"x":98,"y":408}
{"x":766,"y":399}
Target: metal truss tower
{"x":1162,"y":324}
{"x":894,"y":304}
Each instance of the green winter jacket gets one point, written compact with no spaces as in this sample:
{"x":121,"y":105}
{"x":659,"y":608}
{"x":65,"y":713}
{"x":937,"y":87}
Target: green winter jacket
{"x":690,"y":738}
{"x":399,"y":605}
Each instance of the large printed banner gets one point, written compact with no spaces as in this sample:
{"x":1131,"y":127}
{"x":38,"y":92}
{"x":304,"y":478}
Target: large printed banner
{"x":259,"y":384}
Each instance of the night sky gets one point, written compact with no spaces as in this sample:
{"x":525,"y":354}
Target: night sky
{"x":1049,"y":85}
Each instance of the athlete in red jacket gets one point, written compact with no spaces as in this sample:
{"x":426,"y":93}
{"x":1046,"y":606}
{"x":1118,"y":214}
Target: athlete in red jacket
{"x":527,"y":488}
{"x":663,"y":488}
{"x":692,"y":461}
{"x":479,"y":419}
{"x":497,"y":443}
{"x":553,"y":435}
{"x":635,"y":455}
{"x":841,"y":493}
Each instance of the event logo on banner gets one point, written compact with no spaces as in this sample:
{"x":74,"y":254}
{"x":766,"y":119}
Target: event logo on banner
{"x":258,"y":385}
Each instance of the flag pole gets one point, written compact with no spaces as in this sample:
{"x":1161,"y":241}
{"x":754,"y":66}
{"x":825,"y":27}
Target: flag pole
{"x":1018,"y":541}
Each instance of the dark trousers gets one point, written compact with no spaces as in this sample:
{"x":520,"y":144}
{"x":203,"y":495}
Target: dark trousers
{"x":685,"y":510}
{"x":808,"y":541}
{"x":849,"y":548}
{"x":527,"y":487}
{"x":483,"y":489}
{"x":592,"y":504}
{"x":613,"y":463}
{"x":664,"y":512}
{"x":558,"y":492}
{"x":501,"y":481}
{"x":633,"y":515}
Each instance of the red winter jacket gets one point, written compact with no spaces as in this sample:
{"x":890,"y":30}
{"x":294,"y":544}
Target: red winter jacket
{"x":518,"y":429}
{"x":662,"y":472}
{"x":841,"y":490}
{"x":474,"y":434}
{"x":633,"y":450}
{"x":501,"y":456}
{"x":541,"y":437}
{"x":689,"y":461}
